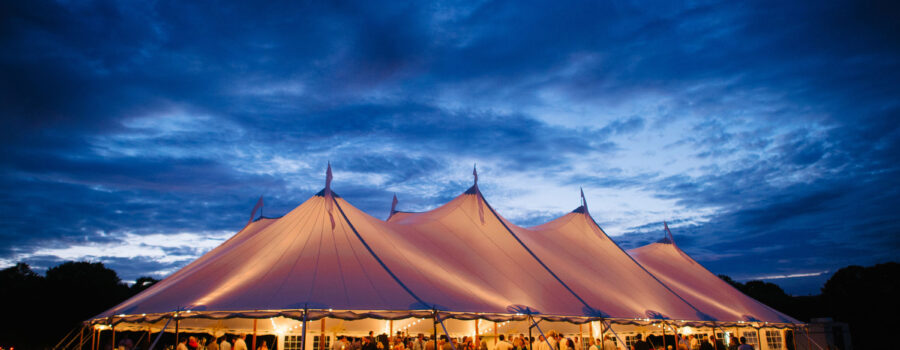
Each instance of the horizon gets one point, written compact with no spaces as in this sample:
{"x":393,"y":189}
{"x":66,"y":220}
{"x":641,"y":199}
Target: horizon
{"x":767,"y":135}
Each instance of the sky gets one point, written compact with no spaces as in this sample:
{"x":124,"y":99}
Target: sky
{"x":767,"y":134}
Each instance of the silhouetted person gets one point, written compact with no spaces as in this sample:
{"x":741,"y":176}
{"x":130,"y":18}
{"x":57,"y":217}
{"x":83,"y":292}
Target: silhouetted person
{"x":640,"y":344}
{"x":744,"y":345}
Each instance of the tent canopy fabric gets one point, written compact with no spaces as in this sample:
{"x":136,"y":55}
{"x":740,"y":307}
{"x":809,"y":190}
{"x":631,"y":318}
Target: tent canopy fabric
{"x":461,"y":259}
{"x":700,"y":287}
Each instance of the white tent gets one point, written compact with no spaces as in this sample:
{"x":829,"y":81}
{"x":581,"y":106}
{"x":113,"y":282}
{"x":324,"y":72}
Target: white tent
{"x":461,"y":262}
{"x":702,"y":288}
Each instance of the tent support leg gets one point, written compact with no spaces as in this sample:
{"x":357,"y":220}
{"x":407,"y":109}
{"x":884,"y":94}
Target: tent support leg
{"x":758,"y":338}
{"x":434,"y":328}
{"x":534,"y":324}
{"x":303,"y":333}
{"x":81,"y":338}
{"x":495,"y":333}
{"x":93,"y":337}
{"x":591,"y":333}
{"x":176,"y":331}
{"x":161,"y":332}
{"x":477,"y":338}
{"x":581,"y":335}
{"x":253,"y":342}
{"x":113,"y":336}
{"x":609,"y":327}
{"x":445,"y":330}
{"x":664,"y":335}
{"x":530,"y":343}
{"x":390,"y":332}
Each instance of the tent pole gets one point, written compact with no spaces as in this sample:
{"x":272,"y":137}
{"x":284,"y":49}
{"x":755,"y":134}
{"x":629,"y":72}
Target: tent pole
{"x":495,"y":334}
{"x":808,"y":339}
{"x":530,"y":346}
{"x":113,"y":336}
{"x":303,"y":333}
{"x":758,"y":338}
{"x":322,"y":337}
{"x":534,"y":324}
{"x":591,"y":331}
{"x":81,"y":338}
{"x":253,"y":342}
{"x":664,"y":335}
{"x":677,"y":336}
{"x":609,"y":327}
{"x":434,"y":325}
{"x":794,"y":337}
{"x":446,"y":332}
{"x":390,"y":331}
{"x":161,"y":332}
{"x":477,"y":342}
{"x":176,"y":330}
{"x":93,"y":337}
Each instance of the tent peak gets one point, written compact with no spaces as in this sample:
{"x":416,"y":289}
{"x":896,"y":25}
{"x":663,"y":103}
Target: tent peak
{"x":668,"y":239}
{"x":322,"y":194}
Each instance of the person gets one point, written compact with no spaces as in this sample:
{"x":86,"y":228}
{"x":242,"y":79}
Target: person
{"x":239,"y":343}
{"x":369,"y":343}
{"x":502,"y":344}
{"x":570,"y":344}
{"x":639,"y":343}
{"x":744,"y":345}
{"x":551,"y":338}
{"x":262,"y":346}
{"x":706,"y":345}
{"x":418,"y":343}
{"x":182,"y":344}
{"x":609,"y":343}
{"x":224,"y":345}
{"x":212,"y":345}
{"x":718,"y":344}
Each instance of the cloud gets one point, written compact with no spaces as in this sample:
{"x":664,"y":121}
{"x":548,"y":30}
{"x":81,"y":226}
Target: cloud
{"x":760,"y":131}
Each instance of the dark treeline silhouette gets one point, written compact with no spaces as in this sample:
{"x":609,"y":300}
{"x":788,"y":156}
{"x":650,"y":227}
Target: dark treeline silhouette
{"x":38,"y":311}
{"x":866,"y":298}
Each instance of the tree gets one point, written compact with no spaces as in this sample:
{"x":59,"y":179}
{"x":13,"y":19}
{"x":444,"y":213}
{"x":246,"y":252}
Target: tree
{"x":22,"y":293}
{"x":866,"y":299}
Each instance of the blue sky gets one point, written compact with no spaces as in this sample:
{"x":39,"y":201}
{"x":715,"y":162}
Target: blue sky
{"x":766,"y":133}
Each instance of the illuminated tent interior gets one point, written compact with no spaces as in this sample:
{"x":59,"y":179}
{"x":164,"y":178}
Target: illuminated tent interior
{"x":460,"y":269}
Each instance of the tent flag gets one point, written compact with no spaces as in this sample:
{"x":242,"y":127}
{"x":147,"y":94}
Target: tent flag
{"x":394,"y":204}
{"x":259,"y":205}
{"x":329,"y":198}
{"x":480,"y":200}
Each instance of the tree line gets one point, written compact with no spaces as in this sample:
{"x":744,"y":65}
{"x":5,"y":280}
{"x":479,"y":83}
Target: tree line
{"x":39,"y":310}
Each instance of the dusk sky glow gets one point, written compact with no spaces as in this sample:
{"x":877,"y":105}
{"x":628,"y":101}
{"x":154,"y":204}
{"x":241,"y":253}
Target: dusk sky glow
{"x":140,"y":134}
